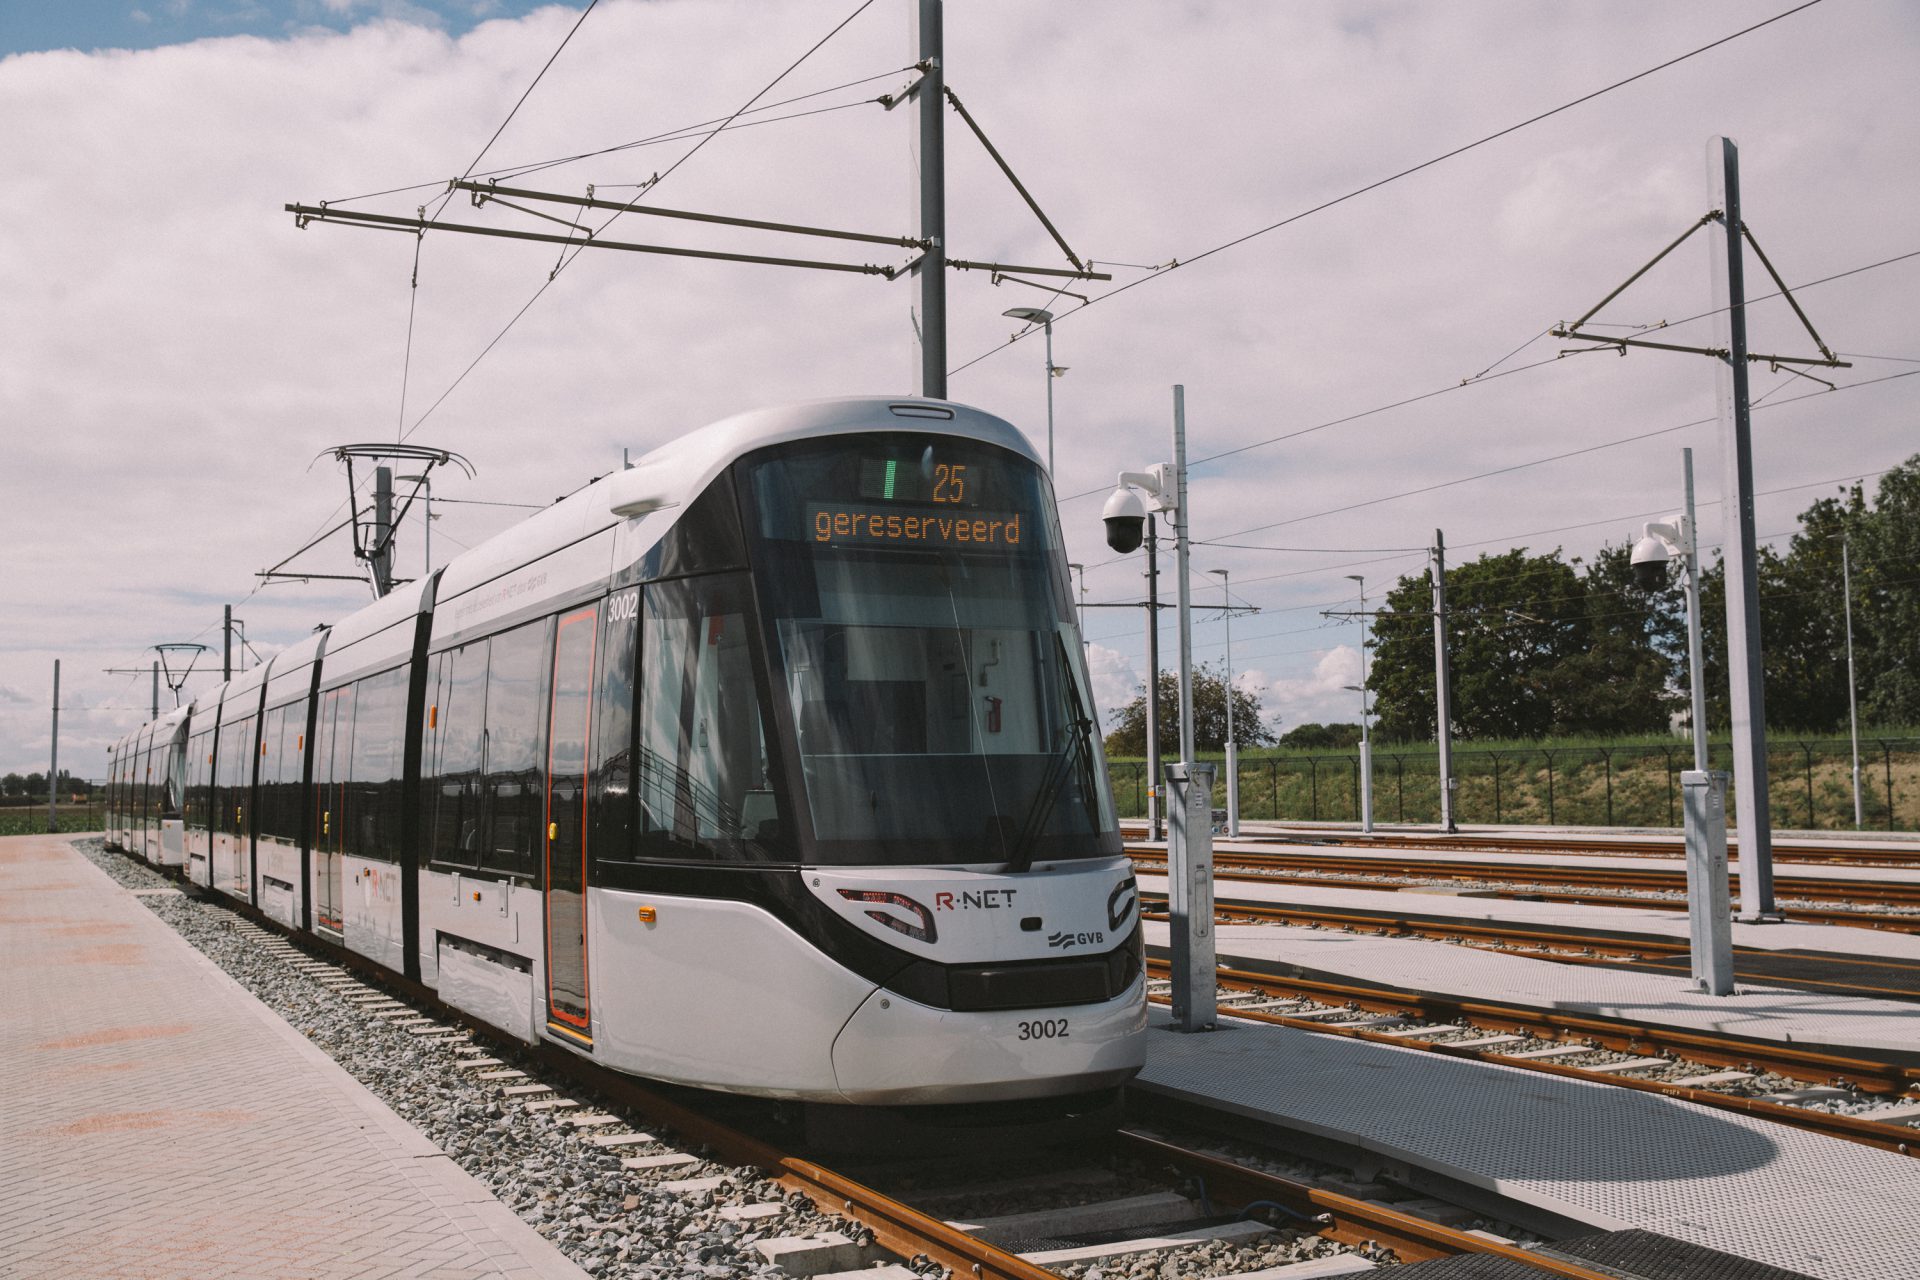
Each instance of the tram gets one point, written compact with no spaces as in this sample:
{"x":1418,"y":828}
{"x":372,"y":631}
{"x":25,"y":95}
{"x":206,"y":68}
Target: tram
{"x":767,"y":765}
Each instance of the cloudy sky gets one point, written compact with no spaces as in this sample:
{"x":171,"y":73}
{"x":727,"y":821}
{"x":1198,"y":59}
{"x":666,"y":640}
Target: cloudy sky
{"x":174,"y":352}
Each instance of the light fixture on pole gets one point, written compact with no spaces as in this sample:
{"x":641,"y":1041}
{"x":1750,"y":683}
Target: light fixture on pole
{"x":1366,"y":738}
{"x":1704,"y":792}
{"x":1190,"y":808}
{"x":1043,"y":318}
{"x":1233,"y":748}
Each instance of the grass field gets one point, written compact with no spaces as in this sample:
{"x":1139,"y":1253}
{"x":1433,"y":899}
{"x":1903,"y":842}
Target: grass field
{"x":1633,"y":782}
{"x":23,"y":821}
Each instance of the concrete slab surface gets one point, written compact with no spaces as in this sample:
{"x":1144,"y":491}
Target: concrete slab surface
{"x":1591,"y":1153}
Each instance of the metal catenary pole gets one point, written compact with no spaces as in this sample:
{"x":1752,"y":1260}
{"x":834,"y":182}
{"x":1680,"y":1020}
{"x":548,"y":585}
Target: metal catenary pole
{"x":1190,"y":807}
{"x":226,"y":635}
{"x":1366,"y":736}
{"x":1853,"y":704}
{"x":383,"y":530}
{"x":1049,"y":328}
{"x":53,"y":766}
{"x":156,"y":692}
{"x":1153,"y":679}
{"x":1233,"y":749}
{"x":1696,"y":667}
{"x":1442,"y":682}
{"x":933,"y":207}
{"x":1744,"y":669}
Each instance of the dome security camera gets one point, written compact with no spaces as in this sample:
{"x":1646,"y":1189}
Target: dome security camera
{"x":1649,"y":561}
{"x":1126,"y":518}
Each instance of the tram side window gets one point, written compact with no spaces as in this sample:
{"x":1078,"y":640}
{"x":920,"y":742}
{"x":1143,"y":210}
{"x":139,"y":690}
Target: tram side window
{"x":235,"y":769}
{"x":705,"y":779}
{"x":610,"y":791}
{"x":176,"y":777}
{"x":379,"y":737}
{"x":451,"y":755}
{"x":199,"y":779}
{"x":267,"y":809}
{"x":515,"y":734}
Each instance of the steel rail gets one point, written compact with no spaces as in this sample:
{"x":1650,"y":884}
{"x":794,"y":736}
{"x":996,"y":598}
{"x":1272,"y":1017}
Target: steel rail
{"x":1885,"y":921}
{"x":1636,"y":847}
{"x":1602,"y":947}
{"x":1837,"y":855}
{"x":1348,"y":1220}
{"x":1805,"y":887}
{"x":1553,"y":1024}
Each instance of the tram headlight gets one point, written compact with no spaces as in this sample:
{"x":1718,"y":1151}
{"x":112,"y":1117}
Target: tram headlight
{"x":1126,"y":518}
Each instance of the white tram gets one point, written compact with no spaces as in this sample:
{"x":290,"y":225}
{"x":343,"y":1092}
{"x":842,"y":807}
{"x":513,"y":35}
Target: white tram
{"x":767,"y":765}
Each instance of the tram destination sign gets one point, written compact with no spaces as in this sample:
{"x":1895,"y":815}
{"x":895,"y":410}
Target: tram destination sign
{"x":849,"y":525}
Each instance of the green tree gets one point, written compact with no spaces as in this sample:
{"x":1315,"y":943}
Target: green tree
{"x":1538,"y":646}
{"x":13,"y":784}
{"x":1321,"y":737}
{"x":36,"y":783}
{"x":1129,"y":736}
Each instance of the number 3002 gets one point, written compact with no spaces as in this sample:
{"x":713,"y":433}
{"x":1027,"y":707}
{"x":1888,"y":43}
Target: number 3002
{"x":1044,"y":1029}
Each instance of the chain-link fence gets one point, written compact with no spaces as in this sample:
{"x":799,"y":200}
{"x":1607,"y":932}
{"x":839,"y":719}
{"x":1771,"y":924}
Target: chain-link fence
{"x":1810,"y":784}
{"x":21,"y":817}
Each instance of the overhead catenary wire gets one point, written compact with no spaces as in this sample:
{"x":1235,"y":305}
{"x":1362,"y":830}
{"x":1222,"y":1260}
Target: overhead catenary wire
{"x":568,"y":261}
{"x":1405,"y":173}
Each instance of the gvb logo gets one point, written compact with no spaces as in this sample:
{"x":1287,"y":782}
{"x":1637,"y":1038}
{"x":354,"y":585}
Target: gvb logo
{"x":1067,"y":941}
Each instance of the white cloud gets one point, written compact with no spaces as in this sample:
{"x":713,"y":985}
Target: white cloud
{"x":1320,"y":697}
{"x":177,"y":352}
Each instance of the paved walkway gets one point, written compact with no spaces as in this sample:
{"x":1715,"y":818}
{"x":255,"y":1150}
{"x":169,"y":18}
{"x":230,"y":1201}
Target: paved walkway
{"x":158,"y":1121}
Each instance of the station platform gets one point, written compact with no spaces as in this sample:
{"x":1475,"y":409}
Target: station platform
{"x":158,"y":1121}
{"x":1577,"y":1154}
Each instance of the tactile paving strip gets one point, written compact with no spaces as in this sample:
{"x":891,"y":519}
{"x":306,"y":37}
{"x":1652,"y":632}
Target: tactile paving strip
{"x":1614,"y":1158}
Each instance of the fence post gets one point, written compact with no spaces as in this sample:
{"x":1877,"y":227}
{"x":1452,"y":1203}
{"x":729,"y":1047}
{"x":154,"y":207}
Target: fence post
{"x":1886,"y":757}
{"x":1356,"y":788}
{"x":1273,"y":782}
{"x":1606,"y":754}
{"x":1495,"y":756}
{"x":1400,"y":788}
{"x":1669,"y":755}
{"x":1313,"y":778}
{"x":1549,"y":755}
{"x":1806,"y":758}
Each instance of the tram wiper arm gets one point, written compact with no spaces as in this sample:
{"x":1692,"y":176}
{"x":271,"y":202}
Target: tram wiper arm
{"x":1061,"y":765}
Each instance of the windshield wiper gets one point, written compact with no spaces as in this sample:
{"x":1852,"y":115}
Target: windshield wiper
{"x":1060,"y":764}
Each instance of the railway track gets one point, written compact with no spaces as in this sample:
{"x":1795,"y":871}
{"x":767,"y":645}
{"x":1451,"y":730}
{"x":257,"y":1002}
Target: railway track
{"x":1575,"y":947}
{"x":659,"y":1137}
{"x":1607,"y":882}
{"x":1818,"y":852}
{"x":1409,"y":1020}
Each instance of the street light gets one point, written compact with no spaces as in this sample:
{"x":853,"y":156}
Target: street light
{"x":1233,"y":750}
{"x":1190,"y":829}
{"x":1703,"y":792}
{"x":1043,"y":318}
{"x":1366,"y":738}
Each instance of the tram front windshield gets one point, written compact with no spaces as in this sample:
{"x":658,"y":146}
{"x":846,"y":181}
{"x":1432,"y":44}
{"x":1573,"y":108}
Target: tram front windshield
{"x":921,"y":637}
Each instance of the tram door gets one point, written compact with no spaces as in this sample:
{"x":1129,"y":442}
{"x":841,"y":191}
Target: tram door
{"x":332,"y":748}
{"x":568,"y":730}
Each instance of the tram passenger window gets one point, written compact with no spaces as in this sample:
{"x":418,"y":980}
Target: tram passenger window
{"x":455,"y":737}
{"x":379,"y":736}
{"x":280,"y":803}
{"x":610,"y":788}
{"x":705,"y":780}
{"x":515,"y":733}
{"x":198,"y":780}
